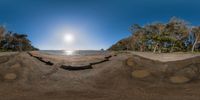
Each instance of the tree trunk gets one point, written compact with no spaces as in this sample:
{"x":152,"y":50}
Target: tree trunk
{"x":172,"y":49}
{"x":140,"y":48}
{"x":193,"y":47}
{"x":155,"y":48}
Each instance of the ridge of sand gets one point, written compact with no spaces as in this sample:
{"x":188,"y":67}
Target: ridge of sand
{"x":7,"y":53}
{"x":165,"y":57}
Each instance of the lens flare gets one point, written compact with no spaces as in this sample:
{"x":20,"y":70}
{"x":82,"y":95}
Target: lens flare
{"x":69,"y":38}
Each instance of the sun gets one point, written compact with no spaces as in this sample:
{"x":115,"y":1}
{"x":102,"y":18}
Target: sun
{"x":69,"y":38}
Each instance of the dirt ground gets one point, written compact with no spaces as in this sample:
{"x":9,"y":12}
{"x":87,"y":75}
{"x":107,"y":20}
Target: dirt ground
{"x":23,"y":77}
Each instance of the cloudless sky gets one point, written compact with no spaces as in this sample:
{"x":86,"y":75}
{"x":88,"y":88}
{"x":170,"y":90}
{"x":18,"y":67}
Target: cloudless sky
{"x":95,"y":24}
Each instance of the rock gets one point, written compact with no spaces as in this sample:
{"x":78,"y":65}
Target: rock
{"x":130,"y":61}
{"x":140,"y":73}
{"x":10,"y":76}
{"x":179,"y":79}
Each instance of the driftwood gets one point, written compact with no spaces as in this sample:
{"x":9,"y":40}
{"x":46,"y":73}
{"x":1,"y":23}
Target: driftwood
{"x":40,"y":59}
{"x":83,"y":67}
{"x":73,"y":67}
{"x":94,"y":63}
{"x":108,"y":57}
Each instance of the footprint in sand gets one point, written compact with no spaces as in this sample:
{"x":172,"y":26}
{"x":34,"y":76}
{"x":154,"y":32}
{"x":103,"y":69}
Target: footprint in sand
{"x":15,"y":66}
{"x":141,"y":73}
{"x":179,"y":79}
{"x":3,"y":59}
{"x":10,"y":76}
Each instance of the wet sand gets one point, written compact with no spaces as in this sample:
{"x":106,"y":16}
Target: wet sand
{"x":23,"y":77}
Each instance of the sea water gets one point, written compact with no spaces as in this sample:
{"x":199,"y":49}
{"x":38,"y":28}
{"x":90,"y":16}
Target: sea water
{"x":74,"y":52}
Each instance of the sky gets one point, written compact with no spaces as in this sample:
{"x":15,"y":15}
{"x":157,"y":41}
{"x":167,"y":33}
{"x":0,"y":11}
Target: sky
{"x":93,"y":24}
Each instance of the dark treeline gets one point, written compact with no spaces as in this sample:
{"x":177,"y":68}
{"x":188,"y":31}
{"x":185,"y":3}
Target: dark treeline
{"x":10,"y":41}
{"x":174,"y":36}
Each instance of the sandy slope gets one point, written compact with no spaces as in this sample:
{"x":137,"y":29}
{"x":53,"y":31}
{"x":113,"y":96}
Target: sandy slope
{"x":106,"y":81}
{"x":164,"y":57}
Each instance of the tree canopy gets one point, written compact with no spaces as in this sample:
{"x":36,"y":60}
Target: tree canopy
{"x":10,"y":41}
{"x":174,"y":36}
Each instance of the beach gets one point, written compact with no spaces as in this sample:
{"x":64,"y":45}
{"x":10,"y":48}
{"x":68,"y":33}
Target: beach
{"x":39,"y":76}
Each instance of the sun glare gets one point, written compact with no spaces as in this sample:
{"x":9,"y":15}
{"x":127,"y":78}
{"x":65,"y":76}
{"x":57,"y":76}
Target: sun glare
{"x":67,"y":52}
{"x":69,"y":38}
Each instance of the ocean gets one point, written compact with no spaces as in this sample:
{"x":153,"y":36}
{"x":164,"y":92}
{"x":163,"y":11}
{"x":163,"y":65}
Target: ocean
{"x":74,"y":52}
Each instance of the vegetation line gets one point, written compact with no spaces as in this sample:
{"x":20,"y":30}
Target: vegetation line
{"x":175,"y":36}
{"x":10,"y":41}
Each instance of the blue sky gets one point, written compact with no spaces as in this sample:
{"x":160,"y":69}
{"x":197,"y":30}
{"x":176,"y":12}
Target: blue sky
{"x":95,"y":24}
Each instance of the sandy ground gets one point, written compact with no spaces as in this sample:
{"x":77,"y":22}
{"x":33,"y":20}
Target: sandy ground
{"x":111,"y":80}
{"x":70,"y":60}
{"x":164,"y":57}
{"x":7,"y":53}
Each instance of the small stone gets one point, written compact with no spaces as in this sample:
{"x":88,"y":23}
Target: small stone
{"x":140,"y":73}
{"x":130,"y":61}
{"x":10,"y":76}
{"x":179,"y":79}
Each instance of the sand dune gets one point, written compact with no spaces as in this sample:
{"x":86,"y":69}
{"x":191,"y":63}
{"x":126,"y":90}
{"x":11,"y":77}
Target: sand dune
{"x":23,"y":77}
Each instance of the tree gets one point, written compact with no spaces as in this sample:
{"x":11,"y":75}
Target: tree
{"x":121,"y":45}
{"x":196,"y":33}
{"x":155,"y":33}
{"x":163,"y":37}
{"x":7,"y":43}
{"x":10,"y":41}
{"x":138,"y":37}
{"x":178,"y":31}
{"x":2,"y":32}
{"x":21,"y":42}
